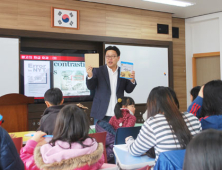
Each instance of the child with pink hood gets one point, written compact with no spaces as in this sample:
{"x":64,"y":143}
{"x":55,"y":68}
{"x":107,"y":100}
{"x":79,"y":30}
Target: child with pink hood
{"x":70,"y":148}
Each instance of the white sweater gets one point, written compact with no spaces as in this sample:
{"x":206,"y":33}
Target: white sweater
{"x":156,"y":133}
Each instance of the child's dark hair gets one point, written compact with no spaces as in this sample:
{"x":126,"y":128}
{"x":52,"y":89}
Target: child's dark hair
{"x":124,"y":101}
{"x":53,"y":96}
{"x":212,"y":99}
{"x":114,"y":48}
{"x":204,"y":151}
{"x":194,"y":92}
{"x":72,"y":125}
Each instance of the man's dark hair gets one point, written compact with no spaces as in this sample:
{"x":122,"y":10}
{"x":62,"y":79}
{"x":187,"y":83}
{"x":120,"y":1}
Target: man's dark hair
{"x":114,"y":48}
{"x":204,"y":151}
{"x":53,"y":96}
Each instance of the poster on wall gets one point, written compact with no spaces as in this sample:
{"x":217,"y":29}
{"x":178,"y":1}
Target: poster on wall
{"x":36,"y":77}
{"x":70,"y":78}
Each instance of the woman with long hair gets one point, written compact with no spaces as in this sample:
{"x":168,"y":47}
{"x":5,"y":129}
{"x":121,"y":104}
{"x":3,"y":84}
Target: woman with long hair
{"x":166,"y":128}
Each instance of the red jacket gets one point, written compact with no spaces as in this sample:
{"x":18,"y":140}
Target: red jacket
{"x":127,"y":120}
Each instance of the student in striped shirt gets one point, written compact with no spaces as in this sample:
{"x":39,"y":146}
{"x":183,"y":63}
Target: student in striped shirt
{"x":166,"y":128}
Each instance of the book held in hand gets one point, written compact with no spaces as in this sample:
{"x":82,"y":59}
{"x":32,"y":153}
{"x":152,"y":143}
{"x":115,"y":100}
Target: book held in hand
{"x":126,"y":70}
{"x":92,"y":60}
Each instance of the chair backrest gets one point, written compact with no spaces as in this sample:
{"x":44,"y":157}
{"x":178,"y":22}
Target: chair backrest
{"x":124,"y":132}
{"x":170,"y":160}
{"x":18,"y":143}
{"x":101,"y":137}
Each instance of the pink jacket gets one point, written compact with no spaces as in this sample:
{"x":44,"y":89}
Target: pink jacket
{"x":127,"y":120}
{"x":61,"y":156}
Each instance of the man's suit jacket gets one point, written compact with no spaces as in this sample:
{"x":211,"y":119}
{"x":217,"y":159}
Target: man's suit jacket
{"x":101,"y":84}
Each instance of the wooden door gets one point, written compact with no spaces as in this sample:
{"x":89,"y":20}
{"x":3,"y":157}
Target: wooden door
{"x":206,"y":67}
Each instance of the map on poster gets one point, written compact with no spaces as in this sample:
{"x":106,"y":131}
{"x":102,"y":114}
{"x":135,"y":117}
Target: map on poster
{"x":70,"y":77}
{"x":36,"y":77}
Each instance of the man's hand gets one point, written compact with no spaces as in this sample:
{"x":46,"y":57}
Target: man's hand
{"x":89,"y":71}
{"x":133,"y":77}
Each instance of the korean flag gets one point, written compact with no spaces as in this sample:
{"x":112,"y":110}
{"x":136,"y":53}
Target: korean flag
{"x":65,"y":18}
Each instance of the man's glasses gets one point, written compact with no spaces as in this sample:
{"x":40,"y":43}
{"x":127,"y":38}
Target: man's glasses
{"x":110,"y":57}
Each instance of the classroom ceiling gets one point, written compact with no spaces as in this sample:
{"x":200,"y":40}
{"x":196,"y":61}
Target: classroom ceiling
{"x":201,"y":7}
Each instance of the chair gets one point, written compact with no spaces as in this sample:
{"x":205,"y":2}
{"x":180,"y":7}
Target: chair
{"x":106,"y":166}
{"x":170,"y":160}
{"x":101,"y":137}
{"x":18,"y":143}
{"x":124,"y":132}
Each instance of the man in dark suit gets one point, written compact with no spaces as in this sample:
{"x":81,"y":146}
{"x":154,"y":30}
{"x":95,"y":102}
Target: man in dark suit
{"x":108,"y":85}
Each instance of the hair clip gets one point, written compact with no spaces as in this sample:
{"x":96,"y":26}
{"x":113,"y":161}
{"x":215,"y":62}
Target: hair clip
{"x":119,"y":100}
{"x":81,"y":106}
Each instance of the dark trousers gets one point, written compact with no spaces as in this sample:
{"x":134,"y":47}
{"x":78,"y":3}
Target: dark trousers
{"x":106,"y":118}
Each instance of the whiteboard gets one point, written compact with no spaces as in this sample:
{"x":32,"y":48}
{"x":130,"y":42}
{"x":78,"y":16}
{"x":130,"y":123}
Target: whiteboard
{"x":9,"y":65}
{"x":150,"y":65}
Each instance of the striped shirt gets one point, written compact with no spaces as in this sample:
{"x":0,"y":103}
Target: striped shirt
{"x":156,"y":133}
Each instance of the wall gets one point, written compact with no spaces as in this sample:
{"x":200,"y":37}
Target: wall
{"x":179,"y":63}
{"x":9,"y":52}
{"x":95,"y":19}
{"x":101,"y":20}
{"x":203,"y":34}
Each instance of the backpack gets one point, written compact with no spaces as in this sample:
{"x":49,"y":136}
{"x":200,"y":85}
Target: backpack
{"x":102,"y":126}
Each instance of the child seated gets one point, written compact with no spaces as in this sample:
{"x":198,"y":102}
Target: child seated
{"x":204,"y":151}
{"x":124,"y":113}
{"x":194,"y":93}
{"x":53,"y":100}
{"x":70,"y":148}
{"x":207,"y":106}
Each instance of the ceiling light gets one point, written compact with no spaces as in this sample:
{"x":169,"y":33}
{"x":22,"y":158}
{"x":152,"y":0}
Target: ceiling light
{"x":172,"y":2}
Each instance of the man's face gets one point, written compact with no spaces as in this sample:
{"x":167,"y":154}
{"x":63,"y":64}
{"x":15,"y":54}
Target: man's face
{"x":111,"y":59}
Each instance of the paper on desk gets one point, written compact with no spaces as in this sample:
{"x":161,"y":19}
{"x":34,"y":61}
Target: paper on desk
{"x":29,"y":134}
{"x":92,"y":126}
{"x":92,"y":60}
{"x":122,"y":147}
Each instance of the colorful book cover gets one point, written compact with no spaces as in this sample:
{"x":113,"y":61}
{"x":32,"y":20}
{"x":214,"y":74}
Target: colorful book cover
{"x":126,"y":70}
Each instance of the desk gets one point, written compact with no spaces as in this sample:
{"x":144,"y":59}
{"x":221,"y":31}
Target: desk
{"x":138,"y":124}
{"x":22,"y":134}
{"x":127,"y":161}
{"x":26,"y":138}
{"x":92,"y":129}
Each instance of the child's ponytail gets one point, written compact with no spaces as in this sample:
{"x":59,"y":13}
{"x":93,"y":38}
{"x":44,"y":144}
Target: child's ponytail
{"x":117,"y":109}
